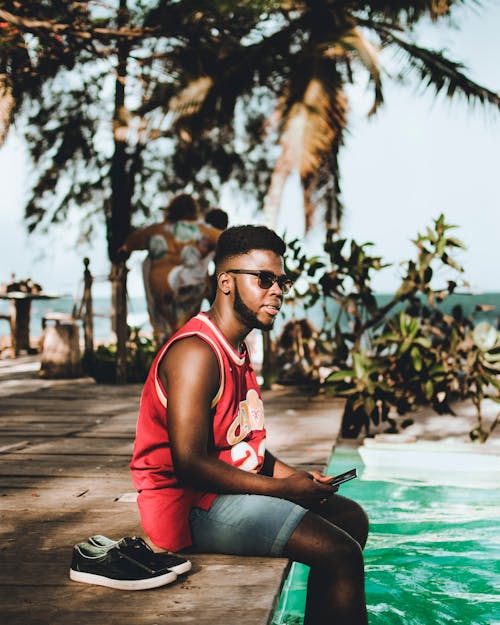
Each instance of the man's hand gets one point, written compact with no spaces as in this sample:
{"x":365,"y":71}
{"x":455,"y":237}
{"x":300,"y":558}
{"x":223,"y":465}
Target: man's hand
{"x":323,"y":479}
{"x":306,"y":489}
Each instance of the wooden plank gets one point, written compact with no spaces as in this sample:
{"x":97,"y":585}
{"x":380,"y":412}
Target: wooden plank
{"x":79,"y":445}
{"x":29,"y":413}
{"x":81,"y":499}
{"x":46,"y":430}
{"x":9,"y":483}
{"x":55,"y":531}
{"x":13,"y":443}
{"x":46,"y":466}
{"x":211,"y":614}
{"x":202,"y":598}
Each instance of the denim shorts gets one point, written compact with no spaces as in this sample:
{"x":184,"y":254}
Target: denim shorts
{"x":246,"y":525}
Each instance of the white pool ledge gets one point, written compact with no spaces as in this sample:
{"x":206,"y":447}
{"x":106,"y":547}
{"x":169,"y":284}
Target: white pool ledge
{"x":399,"y":450}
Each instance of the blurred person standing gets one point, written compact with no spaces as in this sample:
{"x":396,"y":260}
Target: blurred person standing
{"x":175,"y":272}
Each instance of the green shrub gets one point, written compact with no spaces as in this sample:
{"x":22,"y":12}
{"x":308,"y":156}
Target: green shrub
{"x":407,"y":352}
{"x":101,"y":363}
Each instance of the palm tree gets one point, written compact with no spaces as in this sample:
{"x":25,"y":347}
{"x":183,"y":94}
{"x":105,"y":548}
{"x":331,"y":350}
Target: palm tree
{"x":283,"y":64}
{"x":303,"y":53}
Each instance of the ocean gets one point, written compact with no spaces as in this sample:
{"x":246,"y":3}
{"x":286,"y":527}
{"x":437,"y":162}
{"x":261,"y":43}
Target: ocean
{"x":138,"y":316}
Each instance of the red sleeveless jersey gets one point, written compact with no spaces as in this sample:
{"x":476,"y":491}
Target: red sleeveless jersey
{"x":238,"y":429}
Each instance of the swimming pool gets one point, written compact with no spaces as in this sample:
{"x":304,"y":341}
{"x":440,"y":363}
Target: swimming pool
{"x":433,"y":555}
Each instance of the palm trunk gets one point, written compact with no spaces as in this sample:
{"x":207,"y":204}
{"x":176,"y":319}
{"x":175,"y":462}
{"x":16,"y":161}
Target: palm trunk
{"x":118,"y":279}
{"x":267,"y":361}
{"x":119,"y":216}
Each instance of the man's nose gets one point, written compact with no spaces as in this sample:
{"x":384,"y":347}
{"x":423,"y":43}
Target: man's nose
{"x":276,"y":289}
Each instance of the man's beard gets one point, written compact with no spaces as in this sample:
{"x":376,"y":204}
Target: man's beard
{"x":248,"y":316}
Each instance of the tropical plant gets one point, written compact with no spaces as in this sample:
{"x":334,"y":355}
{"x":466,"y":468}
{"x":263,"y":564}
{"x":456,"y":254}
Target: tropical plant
{"x":481,"y":373}
{"x":367,"y":392}
{"x":101,"y":363}
{"x":391,"y":358}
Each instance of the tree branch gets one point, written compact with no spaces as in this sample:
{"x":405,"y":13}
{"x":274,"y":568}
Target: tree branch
{"x":124,"y":32}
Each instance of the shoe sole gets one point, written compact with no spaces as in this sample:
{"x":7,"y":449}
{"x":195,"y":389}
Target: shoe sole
{"x":184,"y":567}
{"x":123,"y":584}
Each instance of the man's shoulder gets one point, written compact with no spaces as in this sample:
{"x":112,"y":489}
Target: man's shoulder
{"x":195,"y":326}
{"x":190,"y":358}
{"x":193,"y":338}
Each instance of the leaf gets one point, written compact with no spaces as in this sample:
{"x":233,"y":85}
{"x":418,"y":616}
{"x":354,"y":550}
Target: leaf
{"x":340,"y":375}
{"x":485,"y":336}
{"x":435,"y":69}
{"x":348,"y":392}
{"x":452,"y":263}
{"x":430,"y":235}
{"x":407,"y":287}
{"x":492,"y":358}
{"x":429,"y":389}
{"x":425,"y":343}
{"x":313,"y":268}
{"x":358,"y":366}
{"x":417,"y":358}
{"x":190,"y":99}
{"x":403,"y":324}
{"x":455,"y":243}
{"x":369,"y":404}
{"x":368,"y":55}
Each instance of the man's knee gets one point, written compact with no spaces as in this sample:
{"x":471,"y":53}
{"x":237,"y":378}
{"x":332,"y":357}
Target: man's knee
{"x":361,"y":522}
{"x":348,"y":515}
{"x":319,"y":543}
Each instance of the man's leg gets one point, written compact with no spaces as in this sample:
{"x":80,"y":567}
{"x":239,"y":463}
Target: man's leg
{"x":335,"y":591}
{"x":257,"y":525}
{"x":346,"y":514}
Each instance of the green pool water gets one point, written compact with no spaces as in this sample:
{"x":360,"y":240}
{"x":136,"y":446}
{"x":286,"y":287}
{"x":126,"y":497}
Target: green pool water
{"x":433,"y":555}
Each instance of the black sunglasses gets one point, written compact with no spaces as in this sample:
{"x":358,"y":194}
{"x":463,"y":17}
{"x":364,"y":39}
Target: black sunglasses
{"x":267,"y":279}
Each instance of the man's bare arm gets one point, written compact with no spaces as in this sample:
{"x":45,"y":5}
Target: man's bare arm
{"x":190,"y":375}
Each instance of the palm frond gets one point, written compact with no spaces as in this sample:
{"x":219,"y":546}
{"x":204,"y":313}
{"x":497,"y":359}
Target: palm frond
{"x":325,"y":187}
{"x":368,"y":55}
{"x":408,"y":12}
{"x":437,"y":70}
{"x":309,"y":130}
{"x":190,"y":99}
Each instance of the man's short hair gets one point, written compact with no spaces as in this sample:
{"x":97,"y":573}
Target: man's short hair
{"x":240,"y":240}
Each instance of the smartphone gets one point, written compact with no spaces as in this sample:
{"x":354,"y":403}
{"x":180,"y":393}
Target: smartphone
{"x":344,"y":477}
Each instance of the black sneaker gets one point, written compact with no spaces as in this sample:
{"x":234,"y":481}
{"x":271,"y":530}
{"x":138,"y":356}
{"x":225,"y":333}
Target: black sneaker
{"x":139,"y":550}
{"x":116,"y":569}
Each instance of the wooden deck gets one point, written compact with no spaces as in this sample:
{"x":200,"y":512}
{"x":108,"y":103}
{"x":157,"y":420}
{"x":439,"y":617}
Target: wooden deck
{"x":64,"y":452}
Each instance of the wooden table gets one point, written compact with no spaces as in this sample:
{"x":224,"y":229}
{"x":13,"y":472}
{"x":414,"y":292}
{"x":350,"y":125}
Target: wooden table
{"x":20,"y":313}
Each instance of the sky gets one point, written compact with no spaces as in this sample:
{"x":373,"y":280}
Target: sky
{"x":416,"y":158}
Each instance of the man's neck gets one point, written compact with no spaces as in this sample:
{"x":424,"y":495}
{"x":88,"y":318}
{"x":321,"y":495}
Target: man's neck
{"x":234,"y":331}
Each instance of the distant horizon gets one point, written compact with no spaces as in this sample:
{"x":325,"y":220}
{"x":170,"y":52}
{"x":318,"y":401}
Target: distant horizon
{"x":138,"y":313}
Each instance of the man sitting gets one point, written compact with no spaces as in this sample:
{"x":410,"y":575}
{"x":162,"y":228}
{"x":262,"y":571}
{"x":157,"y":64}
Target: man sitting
{"x":206,"y":480}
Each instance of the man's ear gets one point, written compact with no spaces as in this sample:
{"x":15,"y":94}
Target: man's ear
{"x":224,"y":282}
